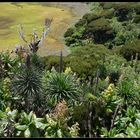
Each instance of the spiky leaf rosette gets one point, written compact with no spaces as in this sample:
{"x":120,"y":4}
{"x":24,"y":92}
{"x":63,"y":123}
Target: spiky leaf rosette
{"x":59,"y":86}
{"x":27,"y":84}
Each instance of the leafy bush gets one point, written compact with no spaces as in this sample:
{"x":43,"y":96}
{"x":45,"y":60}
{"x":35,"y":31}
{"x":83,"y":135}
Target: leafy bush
{"x":88,"y":22}
{"x":107,"y":5}
{"x":129,"y":126}
{"x":60,"y":129}
{"x":90,"y":17}
{"x":8,"y":64}
{"x":122,"y":11}
{"x":101,"y":30}
{"x":7,"y":122}
{"x":57,"y":123}
{"x":130,"y":50}
{"x":5,"y":94}
{"x":125,"y":32}
{"x":75,"y":38}
{"x":96,"y":7}
{"x":52,"y":61}
{"x":136,"y":6}
{"x":69,"y":32}
{"x":15,"y":124}
{"x":28,"y":125}
{"x":85,"y":61}
{"x":80,"y":23}
{"x":137,"y":19}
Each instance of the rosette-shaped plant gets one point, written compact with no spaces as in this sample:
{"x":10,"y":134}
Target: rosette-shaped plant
{"x":59,"y":86}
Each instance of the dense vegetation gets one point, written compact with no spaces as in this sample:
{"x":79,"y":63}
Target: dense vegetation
{"x":110,"y":24}
{"x":93,"y":92}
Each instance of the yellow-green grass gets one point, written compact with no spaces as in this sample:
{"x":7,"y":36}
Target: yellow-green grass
{"x":33,"y":16}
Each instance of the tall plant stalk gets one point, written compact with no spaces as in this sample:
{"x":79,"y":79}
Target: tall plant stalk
{"x":61,"y":62}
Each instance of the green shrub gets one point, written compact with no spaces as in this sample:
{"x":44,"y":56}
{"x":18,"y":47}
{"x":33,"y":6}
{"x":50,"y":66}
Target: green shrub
{"x":57,"y":128}
{"x":69,"y":32}
{"x":98,"y":24}
{"x":130,"y":50}
{"x":106,"y":13}
{"x":28,"y":125}
{"x":5,"y":94}
{"x":75,"y":38}
{"x":96,"y":7}
{"x":8,"y":64}
{"x":100,"y":31}
{"x":70,"y":40}
{"x":136,"y":7}
{"x":90,"y":17}
{"x":137,"y":19}
{"x":124,"y":31}
{"x":122,"y":10}
{"x":85,"y":61}
{"x":107,"y":5}
{"x":81,"y":22}
{"x":52,"y":61}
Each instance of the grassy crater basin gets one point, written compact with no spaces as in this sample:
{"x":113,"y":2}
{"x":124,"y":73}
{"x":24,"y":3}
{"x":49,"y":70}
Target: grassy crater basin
{"x":32,"y":16}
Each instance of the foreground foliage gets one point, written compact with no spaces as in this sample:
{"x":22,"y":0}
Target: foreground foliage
{"x":93,"y":92}
{"x":47,"y":103}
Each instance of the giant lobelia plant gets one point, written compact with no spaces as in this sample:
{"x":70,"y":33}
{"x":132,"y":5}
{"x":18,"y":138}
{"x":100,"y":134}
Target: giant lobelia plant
{"x":26,"y":84}
{"x":59,"y":86}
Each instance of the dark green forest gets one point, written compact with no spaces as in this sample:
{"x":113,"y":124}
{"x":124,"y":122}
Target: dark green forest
{"x":92,"y":92}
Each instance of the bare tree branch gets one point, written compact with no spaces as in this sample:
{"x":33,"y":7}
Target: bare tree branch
{"x":46,"y":30}
{"x":35,"y":41}
{"x":21,"y":33}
